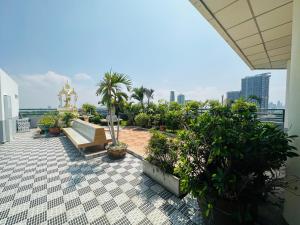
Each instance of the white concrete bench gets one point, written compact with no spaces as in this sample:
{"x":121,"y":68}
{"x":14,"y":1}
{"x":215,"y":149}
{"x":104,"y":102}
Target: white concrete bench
{"x":83,"y":134}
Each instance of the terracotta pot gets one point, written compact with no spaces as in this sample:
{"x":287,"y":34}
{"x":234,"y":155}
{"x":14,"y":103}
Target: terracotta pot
{"x":116,"y":152}
{"x":54,"y":130}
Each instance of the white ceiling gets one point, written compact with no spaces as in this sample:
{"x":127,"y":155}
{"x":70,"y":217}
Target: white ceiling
{"x":258,"y":30}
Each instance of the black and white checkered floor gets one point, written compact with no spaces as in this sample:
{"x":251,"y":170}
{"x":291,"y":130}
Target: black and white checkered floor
{"x":47,"y":181}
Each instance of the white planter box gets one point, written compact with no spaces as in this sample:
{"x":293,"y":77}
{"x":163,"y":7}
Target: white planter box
{"x":169,"y":181}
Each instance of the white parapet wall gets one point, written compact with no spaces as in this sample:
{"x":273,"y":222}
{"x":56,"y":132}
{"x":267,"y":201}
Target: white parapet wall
{"x":9,"y":107}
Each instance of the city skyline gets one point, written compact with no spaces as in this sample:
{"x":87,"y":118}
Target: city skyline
{"x":59,"y":46}
{"x":256,"y":86}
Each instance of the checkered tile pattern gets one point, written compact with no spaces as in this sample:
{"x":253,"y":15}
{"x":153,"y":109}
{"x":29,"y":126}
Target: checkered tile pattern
{"x":47,"y":181}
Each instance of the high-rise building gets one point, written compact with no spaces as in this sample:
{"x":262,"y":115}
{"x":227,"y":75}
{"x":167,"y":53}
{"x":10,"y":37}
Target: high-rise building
{"x":233,"y":95}
{"x":258,"y":86}
{"x":181,"y":99}
{"x":172,"y":96}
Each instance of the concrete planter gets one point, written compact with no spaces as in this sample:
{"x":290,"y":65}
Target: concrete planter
{"x":169,"y":181}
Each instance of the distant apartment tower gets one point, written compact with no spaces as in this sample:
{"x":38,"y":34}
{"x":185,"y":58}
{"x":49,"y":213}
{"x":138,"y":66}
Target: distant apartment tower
{"x":181,"y":99}
{"x":172,"y":96}
{"x":233,"y":95}
{"x":257,"y":85}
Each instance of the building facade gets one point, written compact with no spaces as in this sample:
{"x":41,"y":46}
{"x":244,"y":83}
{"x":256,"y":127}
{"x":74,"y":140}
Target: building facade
{"x":258,"y":86}
{"x":9,"y":107}
{"x":181,"y":99}
{"x":233,"y":95}
{"x":172,"y":96}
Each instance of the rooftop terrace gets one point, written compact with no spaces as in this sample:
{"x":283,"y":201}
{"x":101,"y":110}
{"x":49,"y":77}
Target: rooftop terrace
{"x":48,"y":181}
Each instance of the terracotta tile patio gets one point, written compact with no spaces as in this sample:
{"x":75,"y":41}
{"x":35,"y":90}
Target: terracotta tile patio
{"x":136,"y":138}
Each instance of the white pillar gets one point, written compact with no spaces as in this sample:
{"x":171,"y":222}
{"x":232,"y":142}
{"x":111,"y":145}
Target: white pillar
{"x":292,"y":195}
{"x":287,"y":89}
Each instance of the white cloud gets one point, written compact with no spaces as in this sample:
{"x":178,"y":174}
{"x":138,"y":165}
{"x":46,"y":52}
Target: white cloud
{"x":40,"y":90}
{"x":82,"y":77}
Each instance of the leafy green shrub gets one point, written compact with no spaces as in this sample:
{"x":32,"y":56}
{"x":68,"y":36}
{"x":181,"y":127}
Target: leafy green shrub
{"x":162,"y":151}
{"x":131,"y":110}
{"x":124,"y":123}
{"x":89,"y":109}
{"x":142,"y":119}
{"x":174,"y":119}
{"x":67,"y":117}
{"x":191,"y":111}
{"x":47,"y":121}
{"x":96,"y":119}
{"x":174,"y":106}
{"x":229,"y":155}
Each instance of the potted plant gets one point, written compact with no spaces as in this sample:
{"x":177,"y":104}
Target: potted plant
{"x":229,"y":161}
{"x":88,"y":111}
{"x":162,"y":156}
{"x":67,"y":117}
{"x":110,"y":90}
{"x":55,"y":129}
{"x":45,"y":123}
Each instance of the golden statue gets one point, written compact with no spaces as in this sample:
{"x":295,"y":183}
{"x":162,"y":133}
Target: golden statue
{"x":65,"y":95}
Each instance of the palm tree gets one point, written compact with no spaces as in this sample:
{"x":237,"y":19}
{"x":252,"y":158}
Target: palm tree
{"x":110,"y":90}
{"x":149,"y":94}
{"x":138,"y":94}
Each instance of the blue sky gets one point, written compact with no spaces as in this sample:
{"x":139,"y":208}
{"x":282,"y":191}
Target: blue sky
{"x":165,"y":45}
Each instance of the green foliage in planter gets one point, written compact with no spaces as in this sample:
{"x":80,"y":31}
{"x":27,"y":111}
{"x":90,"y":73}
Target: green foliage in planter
{"x":228,"y":154}
{"x":67,"y":117}
{"x":88,"y":109}
{"x":47,"y":121}
{"x":131,"y":110}
{"x":174,"y":106}
{"x":96,"y":119}
{"x":191,"y":111}
{"x":142,"y":119}
{"x":162,"y":151}
{"x":174,"y":119}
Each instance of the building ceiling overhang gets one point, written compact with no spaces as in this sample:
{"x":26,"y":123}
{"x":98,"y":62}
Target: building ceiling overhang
{"x":259,"y":31}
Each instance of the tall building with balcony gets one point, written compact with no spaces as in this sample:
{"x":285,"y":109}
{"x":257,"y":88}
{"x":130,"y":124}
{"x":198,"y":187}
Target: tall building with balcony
{"x":258,"y":86}
{"x":172,"y":96}
{"x":233,"y":95}
{"x":181,"y":99}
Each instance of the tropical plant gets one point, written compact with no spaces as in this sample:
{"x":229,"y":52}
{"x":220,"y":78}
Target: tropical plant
{"x":142,"y":119}
{"x":230,"y":160}
{"x":174,"y":120}
{"x":67,"y":117}
{"x":190,"y":111}
{"x":162,"y":151}
{"x":96,"y":119}
{"x":139,"y":94}
{"x":131,"y":110}
{"x":47,"y":121}
{"x":149,"y":94}
{"x":88,"y":109}
{"x":174,"y":106}
{"x":110,"y":90}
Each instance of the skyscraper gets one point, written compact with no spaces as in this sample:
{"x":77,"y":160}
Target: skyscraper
{"x":233,"y":95}
{"x":258,"y":86}
{"x":181,"y":99}
{"x":172,"y":96}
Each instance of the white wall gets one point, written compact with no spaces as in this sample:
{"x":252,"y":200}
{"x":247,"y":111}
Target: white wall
{"x":8,"y":87}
